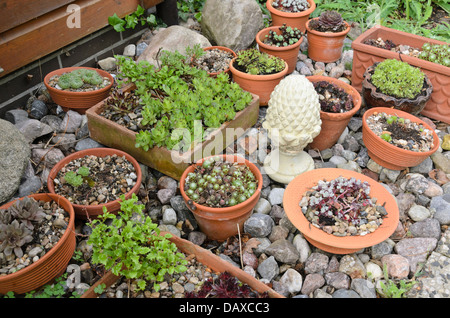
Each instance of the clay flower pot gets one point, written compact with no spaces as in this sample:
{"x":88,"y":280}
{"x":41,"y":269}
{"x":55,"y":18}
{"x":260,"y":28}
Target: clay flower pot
{"x":53,"y":264}
{"x":221,"y":223}
{"x":77,"y":101}
{"x":374,"y":98}
{"x":295,"y":20}
{"x":288,"y":53}
{"x":222,"y":48}
{"x":388,"y":155}
{"x":205,"y":257}
{"x":329,"y":242}
{"x":333,"y":124}
{"x":261,"y":85}
{"x":92,"y":211}
{"x":364,"y":55}
{"x":325,"y":46}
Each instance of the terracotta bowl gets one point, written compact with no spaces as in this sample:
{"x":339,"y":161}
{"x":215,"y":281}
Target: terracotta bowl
{"x":388,"y":155}
{"x":77,"y":101}
{"x":92,"y":211}
{"x":329,"y":242}
{"x":295,"y":20}
{"x":53,"y":264}
{"x":222,"y":48}
{"x":221,"y":223}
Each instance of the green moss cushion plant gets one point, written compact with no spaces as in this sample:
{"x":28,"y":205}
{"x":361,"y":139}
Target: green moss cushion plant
{"x":255,"y":62}
{"x":398,"y":79}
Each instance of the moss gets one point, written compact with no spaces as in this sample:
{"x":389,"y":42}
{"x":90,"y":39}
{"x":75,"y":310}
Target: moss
{"x":398,"y":79}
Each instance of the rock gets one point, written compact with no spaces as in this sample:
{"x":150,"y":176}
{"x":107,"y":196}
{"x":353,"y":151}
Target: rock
{"x":428,"y":227}
{"x":38,"y":109}
{"x":337,"y":71}
{"x":441,"y":162}
{"x":283,"y":251}
{"x":197,"y":237}
{"x":33,"y":129}
{"x":364,"y":288}
{"x":14,"y":157}
{"x":169,"y":216}
{"x":316,"y":263}
{"x":276,"y":196}
{"x":338,"y":280}
{"x":268,"y":269}
{"x":424,"y":167}
{"x":415,"y":250}
{"x":129,"y":50}
{"x":71,"y":122}
{"x":15,"y":116}
{"x":29,"y":186}
{"x":259,"y":225}
{"x":108,"y":64}
{"x":312,"y":282}
{"x":164,"y":195}
{"x":173,"y":38}
{"x":440,"y":205}
{"x":381,"y":249}
{"x":53,"y":121}
{"x":373,"y":270}
{"x":278,"y":232}
{"x":140,"y":47}
{"x":345,"y":293}
{"x":87,"y":144}
{"x":263,"y":206}
{"x":47,"y":157}
{"x":302,"y":247}
{"x":433,"y":190}
{"x":352,"y":266}
{"x":397,"y":266}
{"x":64,"y":141}
{"x":293,"y":280}
{"x":418,"y":213}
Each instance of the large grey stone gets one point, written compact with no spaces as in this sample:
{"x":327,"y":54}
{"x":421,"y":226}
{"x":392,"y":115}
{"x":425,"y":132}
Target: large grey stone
{"x":231,"y":23}
{"x":173,"y":38}
{"x":14,"y":156}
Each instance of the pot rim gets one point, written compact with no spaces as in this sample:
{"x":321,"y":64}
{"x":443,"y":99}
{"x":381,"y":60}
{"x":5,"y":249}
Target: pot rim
{"x":367,"y":84}
{"x":308,"y":11}
{"x":100,"y":152}
{"x":357,"y":100}
{"x":296,"y":189}
{"x":223,"y":48}
{"x":406,"y":152}
{"x":74,"y":94}
{"x":228,"y":158}
{"x":263,"y":32}
{"x":248,"y":76}
{"x":327,"y":34}
{"x":70,"y":230}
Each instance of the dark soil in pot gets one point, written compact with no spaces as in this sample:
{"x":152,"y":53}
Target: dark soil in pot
{"x":332,"y":98}
{"x":214,"y":61}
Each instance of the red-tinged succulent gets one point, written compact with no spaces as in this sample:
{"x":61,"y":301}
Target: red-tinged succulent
{"x":328,"y":21}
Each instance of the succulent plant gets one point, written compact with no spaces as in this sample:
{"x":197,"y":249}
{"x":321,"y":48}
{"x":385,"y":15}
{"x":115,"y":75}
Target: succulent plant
{"x":255,"y":62}
{"x":328,"y":21}
{"x":78,"y":78}
{"x":27,"y":210}
{"x":122,"y":102}
{"x":13,"y":236}
{"x":287,"y":36}
{"x":398,"y":79}
{"x":291,"y":5}
{"x":436,"y":53}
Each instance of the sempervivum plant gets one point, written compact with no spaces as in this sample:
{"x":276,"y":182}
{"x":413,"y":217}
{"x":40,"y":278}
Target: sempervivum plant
{"x":218,"y":183}
{"x":291,"y":5}
{"x":13,"y":236}
{"x":287,"y":36}
{"x":328,"y":21}
{"x":255,"y":62}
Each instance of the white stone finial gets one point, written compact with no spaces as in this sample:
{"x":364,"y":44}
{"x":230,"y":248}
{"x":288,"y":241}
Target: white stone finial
{"x":292,"y":121}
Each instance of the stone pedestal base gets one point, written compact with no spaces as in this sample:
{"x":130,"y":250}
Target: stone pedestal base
{"x":283,"y":167}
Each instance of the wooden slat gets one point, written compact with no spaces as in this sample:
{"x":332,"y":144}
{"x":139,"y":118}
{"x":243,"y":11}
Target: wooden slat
{"x":39,"y":37}
{"x":17,"y":12}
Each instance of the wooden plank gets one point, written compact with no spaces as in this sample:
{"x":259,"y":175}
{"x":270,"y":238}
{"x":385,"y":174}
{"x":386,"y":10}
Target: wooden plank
{"x":37,"y":38}
{"x":17,"y":12}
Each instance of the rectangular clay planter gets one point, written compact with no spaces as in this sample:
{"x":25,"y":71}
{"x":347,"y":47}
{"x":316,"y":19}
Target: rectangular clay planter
{"x":438,"y":107}
{"x":204,"y":256}
{"x":171,"y":163}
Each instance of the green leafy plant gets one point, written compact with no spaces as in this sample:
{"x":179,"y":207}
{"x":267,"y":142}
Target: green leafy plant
{"x":78,"y":78}
{"x":177,"y":97}
{"x":100,"y":289}
{"x":76,"y":179}
{"x":130,"y":244}
{"x":186,"y":8}
{"x":392,"y":289}
{"x":255,"y":62}
{"x":287,"y":36}
{"x":399,"y":79}
{"x":131,"y":20}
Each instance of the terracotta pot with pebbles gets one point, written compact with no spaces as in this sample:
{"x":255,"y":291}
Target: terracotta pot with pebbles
{"x":396,"y":139}
{"x":74,"y":88}
{"x":95,"y":178}
{"x":340,"y":211}
{"x":294,"y":16}
{"x":215,"y":60}
{"x":221,"y":192}
{"x":39,"y":231}
{"x":339,"y":101}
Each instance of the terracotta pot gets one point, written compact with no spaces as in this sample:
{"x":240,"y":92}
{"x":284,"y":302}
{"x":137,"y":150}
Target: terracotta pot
{"x":388,"y":155}
{"x":374,"y":98}
{"x":325,"y":46}
{"x":222,"y":48}
{"x":333,"y":124}
{"x":204,"y":256}
{"x":92,"y":211}
{"x":53,"y":264}
{"x":261,"y":85}
{"x":171,"y":163}
{"x":329,"y":242}
{"x":221,"y":223}
{"x":438,"y":107}
{"x":288,"y":53}
{"x":295,"y":20}
{"x":77,"y":101}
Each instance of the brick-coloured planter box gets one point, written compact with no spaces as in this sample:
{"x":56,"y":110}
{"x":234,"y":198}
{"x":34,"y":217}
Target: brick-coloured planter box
{"x":171,"y":163}
{"x":438,"y":107}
